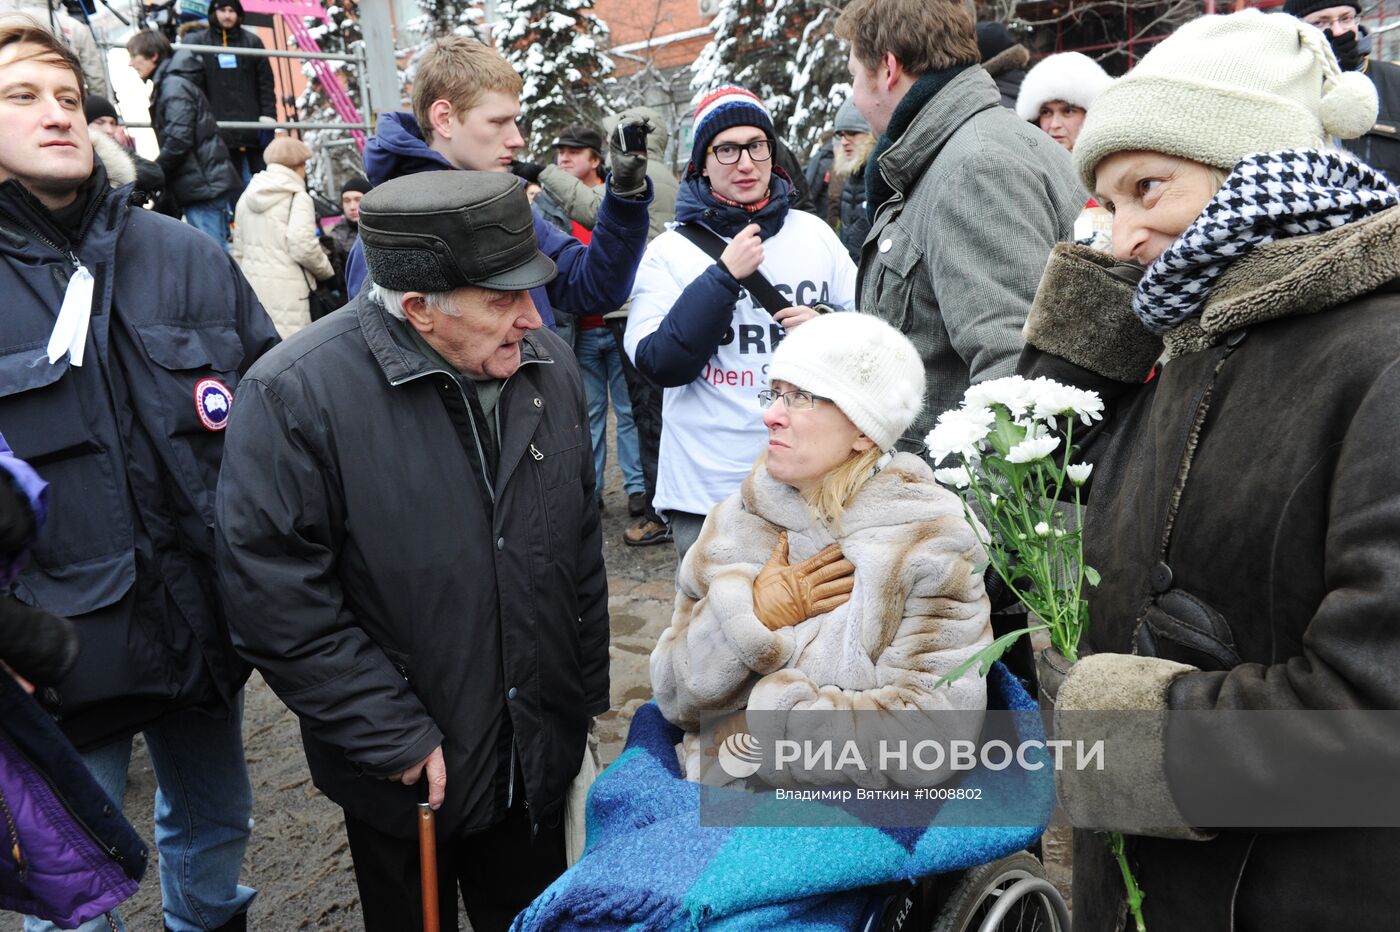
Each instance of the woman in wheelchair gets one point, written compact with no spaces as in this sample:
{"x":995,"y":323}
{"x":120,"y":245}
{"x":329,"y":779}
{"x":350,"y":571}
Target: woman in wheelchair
{"x":840,"y":577}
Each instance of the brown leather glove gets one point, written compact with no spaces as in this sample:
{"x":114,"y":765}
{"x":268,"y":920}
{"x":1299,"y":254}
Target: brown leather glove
{"x":786,"y":595}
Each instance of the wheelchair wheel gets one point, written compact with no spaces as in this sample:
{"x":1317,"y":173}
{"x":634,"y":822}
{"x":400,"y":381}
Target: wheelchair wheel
{"x":1010,"y":895}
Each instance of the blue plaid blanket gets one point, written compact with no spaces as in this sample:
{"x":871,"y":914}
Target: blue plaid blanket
{"x":650,"y":864}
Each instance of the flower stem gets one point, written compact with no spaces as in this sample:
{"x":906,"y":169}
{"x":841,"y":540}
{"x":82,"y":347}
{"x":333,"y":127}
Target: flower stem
{"x":1118,"y":845}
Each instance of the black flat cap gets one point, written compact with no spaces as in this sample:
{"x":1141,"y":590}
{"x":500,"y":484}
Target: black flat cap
{"x":580,"y":136}
{"x":440,"y":230}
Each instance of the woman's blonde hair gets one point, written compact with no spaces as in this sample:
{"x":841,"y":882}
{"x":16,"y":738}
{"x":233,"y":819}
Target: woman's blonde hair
{"x":839,"y":487}
{"x":284,"y":150}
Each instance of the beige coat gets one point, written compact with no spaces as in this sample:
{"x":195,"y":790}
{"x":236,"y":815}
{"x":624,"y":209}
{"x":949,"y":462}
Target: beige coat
{"x":274,"y":242}
{"x":918,"y":609}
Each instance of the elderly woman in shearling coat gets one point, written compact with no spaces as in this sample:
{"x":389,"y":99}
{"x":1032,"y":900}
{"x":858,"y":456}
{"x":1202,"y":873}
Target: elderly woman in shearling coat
{"x":840,"y":577}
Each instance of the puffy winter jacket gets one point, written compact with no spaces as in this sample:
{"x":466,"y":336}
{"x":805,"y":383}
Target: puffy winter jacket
{"x":194,"y":158}
{"x":67,"y":855}
{"x":274,"y":241}
{"x":131,"y":443}
{"x":239,"y":87}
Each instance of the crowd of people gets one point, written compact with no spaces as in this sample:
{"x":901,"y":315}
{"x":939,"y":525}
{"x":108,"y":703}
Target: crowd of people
{"x":367,"y":460}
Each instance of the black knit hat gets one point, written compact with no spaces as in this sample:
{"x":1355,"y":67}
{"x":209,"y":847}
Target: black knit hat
{"x":356,"y":183}
{"x":1301,"y":8}
{"x":96,"y":107}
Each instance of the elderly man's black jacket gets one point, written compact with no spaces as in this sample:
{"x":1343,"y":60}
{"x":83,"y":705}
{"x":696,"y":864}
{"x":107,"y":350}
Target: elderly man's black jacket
{"x":394,"y":596}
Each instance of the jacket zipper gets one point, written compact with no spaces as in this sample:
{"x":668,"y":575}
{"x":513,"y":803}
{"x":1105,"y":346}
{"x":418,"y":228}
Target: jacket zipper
{"x":21,"y":869}
{"x":112,"y":852}
{"x":481,"y":454}
{"x":71,"y":252}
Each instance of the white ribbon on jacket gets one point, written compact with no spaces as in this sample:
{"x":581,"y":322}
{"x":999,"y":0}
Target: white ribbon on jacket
{"x":71,"y":329}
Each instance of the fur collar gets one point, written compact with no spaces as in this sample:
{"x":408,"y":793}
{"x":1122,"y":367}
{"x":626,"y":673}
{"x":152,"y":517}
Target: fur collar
{"x":121,"y":168}
{"x":1299,"y":275}
{"x":1013,"y":59}
{"x":904,"y":492}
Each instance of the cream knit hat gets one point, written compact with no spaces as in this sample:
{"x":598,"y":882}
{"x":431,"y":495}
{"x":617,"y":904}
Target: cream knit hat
{"x":868,"y":368}
{"x":1222,"y":87}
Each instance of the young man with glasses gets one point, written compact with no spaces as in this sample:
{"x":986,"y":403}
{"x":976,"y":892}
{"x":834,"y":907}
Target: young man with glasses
{"x":1339,"y":21}
{"x":698,"y":332}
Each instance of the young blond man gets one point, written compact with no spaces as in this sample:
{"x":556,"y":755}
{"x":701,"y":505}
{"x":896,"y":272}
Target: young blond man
{"x":466,"y":103}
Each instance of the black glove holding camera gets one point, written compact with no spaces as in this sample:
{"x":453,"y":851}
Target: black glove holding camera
{"x":627,"y":154}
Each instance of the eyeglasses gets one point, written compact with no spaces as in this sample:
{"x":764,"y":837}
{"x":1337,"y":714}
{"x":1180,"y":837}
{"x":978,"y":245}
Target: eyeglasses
{"x":728,"y":153}
{"x":795,"y":400}
{"x":1346,"y":21}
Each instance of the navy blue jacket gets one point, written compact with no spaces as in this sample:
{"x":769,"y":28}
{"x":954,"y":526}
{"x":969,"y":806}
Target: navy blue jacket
{"x":593,"y":279}
{"x":676,"y":353}
{"x":130,"y":452}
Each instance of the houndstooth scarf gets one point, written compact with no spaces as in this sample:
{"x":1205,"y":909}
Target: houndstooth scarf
{"x":1269,"y":196}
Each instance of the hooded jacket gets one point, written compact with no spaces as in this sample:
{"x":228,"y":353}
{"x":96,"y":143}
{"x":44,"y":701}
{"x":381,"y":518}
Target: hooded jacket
{"x":130,"y":443}
{"x":399,"y":600}
{"x":274,"y":243}
{"x":239,"y":87}
{"x":971,"y":203}
{"x":593,"y":279}
{"x":1251,"y":480}
{"x":194,"y":158}
{"x":918,"y":610}
{"x":697,"y":332}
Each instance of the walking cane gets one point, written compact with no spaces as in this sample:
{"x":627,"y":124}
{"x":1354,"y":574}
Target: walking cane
{"x":427,"y":860}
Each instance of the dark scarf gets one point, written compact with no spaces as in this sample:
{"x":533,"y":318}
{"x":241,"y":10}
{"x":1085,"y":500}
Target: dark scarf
{"x":1269,"y":196}
{"x":924,"y":90}
{"x":696,"y":203}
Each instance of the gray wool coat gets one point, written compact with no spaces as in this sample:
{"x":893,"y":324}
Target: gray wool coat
{"x":953,"y":258}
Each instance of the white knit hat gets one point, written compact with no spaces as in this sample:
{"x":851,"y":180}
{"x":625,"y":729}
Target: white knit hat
{"x":868,"y":368}
{"x":1070,"y":76}
{"x":1222,"y":87}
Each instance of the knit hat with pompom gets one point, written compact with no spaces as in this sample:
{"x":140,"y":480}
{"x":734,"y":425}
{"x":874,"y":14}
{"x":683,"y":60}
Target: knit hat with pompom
{"x":1222,"y":87}
{"x":868,"y":368}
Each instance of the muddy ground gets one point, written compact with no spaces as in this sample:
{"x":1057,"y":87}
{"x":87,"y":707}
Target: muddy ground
{"x":298,"y":859}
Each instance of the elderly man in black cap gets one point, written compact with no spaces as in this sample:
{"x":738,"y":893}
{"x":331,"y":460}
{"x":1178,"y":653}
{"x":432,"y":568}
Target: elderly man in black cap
{"x":411,"y":550}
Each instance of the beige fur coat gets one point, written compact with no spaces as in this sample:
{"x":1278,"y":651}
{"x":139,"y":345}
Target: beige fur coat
{"x":918,"y":609}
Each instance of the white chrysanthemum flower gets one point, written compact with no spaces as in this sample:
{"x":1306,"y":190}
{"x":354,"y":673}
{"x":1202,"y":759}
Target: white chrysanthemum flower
{"x":995,"y":498}
{"x":1032,"y":449}
{"x":959,"y":431}
{"x":1015,"y":393}
{"x":1043,"y":529}
{"x":1051,"y":398}
{"x":956,"y":476}
{"x":1079,"y":472}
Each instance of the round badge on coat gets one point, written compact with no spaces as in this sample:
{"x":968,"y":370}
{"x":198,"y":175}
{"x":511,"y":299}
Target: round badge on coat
{"x":212,"y":402}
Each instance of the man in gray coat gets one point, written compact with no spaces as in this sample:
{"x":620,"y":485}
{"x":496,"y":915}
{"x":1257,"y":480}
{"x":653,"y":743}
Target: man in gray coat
{"x":966,"y":200}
